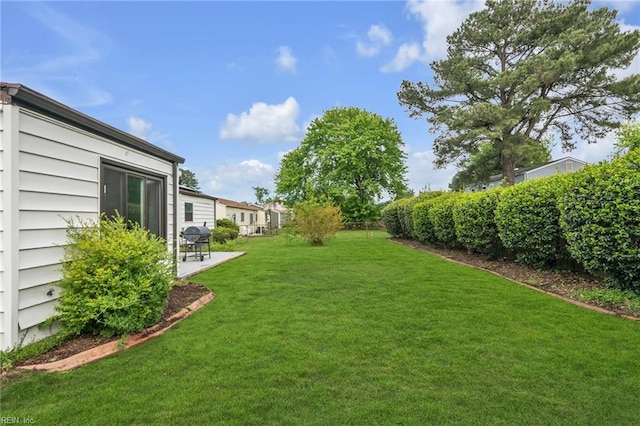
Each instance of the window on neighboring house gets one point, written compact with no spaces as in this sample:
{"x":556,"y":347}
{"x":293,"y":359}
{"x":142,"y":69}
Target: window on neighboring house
{"x":569,"y":166}
{"x":136,"y":195}
{"x":250,"y":218}
{"x":241,"y":217}
{"x":188,"y":212}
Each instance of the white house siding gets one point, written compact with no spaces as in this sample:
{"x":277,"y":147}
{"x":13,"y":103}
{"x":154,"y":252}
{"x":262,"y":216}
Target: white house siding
{"x":556,"y":167}
{"x":204,"y":210}
{"x":56,"y":178}
{"x":234,"y":211}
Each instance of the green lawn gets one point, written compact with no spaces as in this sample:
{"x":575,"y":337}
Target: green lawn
{"x":361,"y":331}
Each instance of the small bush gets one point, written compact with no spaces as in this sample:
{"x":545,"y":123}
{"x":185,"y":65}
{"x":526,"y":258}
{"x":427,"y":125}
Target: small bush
{"x":422,"y":225}
{"x":228,"y":223}
{"x":405,"y":210}
{"x":600,"y":217}
{"x":474,"y":218}
{"x":391,"y":219}
{"x":317,"y":222}
{"x":115,"y":278}
{"x":222,"y":234}
{"x":441,"y":217}
{"x":527,"y":217}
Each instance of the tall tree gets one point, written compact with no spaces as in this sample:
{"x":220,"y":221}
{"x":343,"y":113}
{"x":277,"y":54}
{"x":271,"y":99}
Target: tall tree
{"x":351,"y":157}
{"x":262,"y":194}
{"x":478,"y":167}
{"x":188,"y":179}
{"x":521,"y":70}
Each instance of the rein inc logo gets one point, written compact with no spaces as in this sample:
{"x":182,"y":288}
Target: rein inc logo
{"x":17,"y":420}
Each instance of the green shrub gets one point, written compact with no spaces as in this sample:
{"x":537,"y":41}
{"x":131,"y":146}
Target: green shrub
{"x":115,"y":278}
{"x":474,"y":218}
{"x":316,"y":221}
{"x":406,"y":228}
{"x":391,"y":219}
{"x":527,"y":217}
{"x":222,"y":234}
{"x":422,"y":224}
{"x":441,"y":217}
{"x":600,"y":217}
{"x":228,"y":223}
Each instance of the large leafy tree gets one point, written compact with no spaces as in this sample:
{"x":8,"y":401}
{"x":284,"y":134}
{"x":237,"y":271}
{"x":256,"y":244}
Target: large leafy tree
{"x":349,"y":156}
{"x":520,"y":71}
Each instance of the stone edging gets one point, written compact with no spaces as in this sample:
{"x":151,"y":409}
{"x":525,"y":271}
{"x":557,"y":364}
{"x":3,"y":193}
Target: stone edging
{"x":110,"y":348}
{"x":557,"y":296}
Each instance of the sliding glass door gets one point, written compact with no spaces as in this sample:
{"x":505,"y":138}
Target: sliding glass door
{"x":137,"y":196}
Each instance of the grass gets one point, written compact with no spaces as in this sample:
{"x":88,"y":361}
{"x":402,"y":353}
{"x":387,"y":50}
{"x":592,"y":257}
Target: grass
{"x":360,"y":331}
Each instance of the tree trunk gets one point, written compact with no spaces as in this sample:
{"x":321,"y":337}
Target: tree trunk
{"x":509,"y":169}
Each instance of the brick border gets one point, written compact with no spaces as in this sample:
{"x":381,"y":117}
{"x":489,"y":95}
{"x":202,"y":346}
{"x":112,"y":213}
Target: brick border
{"x":103,"y":351}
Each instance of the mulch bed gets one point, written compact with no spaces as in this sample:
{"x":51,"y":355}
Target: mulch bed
{"x":179,"y":297}
{"x":562,"y":283}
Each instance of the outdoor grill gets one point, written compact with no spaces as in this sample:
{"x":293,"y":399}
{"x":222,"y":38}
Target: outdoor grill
{"x":195,"y":238}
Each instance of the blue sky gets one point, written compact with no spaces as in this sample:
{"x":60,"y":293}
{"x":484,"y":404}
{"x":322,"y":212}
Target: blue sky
{"x":231,"y":86}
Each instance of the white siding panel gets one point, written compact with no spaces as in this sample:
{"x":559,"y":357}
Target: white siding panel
{"x":35,"y":314}
{"x":53,"y":149}
{"x":52,"y":219}
{"x":36,"y":182}
{"x":40,"y":201}
{"x":34,"y":277}
{"x":38,"y":295}
{"x":40,"y":257}
{"x":30,"y":239}
{"x":33,"y":163}
{"x":1,"y":322}
{"x":37,"y":125}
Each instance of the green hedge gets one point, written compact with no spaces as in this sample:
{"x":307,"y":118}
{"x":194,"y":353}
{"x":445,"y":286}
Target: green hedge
{"x":441,"y":217}
{"x":475,"y":225}
{"x":422,"y":224}
{"x":391,"y":219}
{"x":600,"y":217}
{"x":527,"y":217}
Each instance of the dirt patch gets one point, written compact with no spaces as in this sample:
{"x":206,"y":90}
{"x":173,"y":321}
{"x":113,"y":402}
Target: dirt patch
{"x":179,"y":297}
{"x":561,"y":283}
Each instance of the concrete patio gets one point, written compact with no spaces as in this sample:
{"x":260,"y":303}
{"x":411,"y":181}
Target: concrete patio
{"x":193,"y":266}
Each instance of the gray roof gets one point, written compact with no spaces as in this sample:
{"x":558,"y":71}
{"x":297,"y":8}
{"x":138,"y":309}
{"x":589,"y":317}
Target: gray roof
{"x":21,"y":95}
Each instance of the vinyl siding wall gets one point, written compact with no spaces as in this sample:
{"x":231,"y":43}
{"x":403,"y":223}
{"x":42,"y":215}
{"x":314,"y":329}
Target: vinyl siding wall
{"x":57,"y":179}
{"x":204,"y":210}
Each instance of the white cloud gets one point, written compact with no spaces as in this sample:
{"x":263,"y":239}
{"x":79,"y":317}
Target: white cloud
{"x":407,"y":55}
{"x":378,"y":36}
{"x":265,"y":123}
{"x":234,"y":181}
{"x":285,"y":60}
{"x":438,"y":20}
{"x":421,"y":172}
{"x":143,"y":129}
{"x":139,"y":127}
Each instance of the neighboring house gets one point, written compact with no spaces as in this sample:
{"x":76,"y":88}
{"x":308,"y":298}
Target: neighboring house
{"x":196,"y":208}
{"x":56,"y":164}
{"x":562,"y":165}
{"x":247,"y":216}
{"x":277,"y":215}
